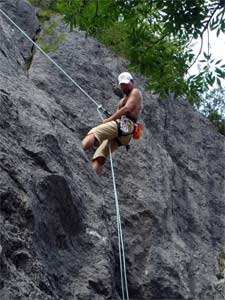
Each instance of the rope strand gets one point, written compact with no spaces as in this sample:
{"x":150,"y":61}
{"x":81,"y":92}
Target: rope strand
{"x":48,"y":57}
{"x":123,"y":274}
{"x":119,"y":228}
{"x":120,"y":234}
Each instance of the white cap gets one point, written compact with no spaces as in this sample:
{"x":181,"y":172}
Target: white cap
{"x":125,"y":77}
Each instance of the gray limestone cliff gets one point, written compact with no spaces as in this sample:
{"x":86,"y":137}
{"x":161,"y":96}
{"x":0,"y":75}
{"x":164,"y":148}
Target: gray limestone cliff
{"x":58,"y":234}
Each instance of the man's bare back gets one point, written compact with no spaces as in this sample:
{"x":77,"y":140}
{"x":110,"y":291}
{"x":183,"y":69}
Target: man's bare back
{"x":132,"y":100}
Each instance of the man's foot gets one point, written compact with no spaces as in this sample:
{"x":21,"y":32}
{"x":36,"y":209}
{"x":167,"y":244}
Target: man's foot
{"x":97,"y":163}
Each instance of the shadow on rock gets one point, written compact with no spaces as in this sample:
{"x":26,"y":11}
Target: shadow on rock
{"x":57,"y":217}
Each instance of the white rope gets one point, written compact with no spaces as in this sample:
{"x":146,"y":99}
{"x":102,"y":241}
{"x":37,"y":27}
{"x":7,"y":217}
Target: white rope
{"x":120,"y":235}
{"x":119,"y":228}
{"x":123,"y":274}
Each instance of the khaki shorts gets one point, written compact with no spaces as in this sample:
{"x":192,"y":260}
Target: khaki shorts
{"x":107,"y":135}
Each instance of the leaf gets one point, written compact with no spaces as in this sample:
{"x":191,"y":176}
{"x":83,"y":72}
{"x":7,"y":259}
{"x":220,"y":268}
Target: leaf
{"x":219,"y":82}
{"x":195,"y":35}
{"x":213,"y":80}
{"x":220,"y":72}
{"x":206,"y":56}
{"x":191,"y":77}
{"x":218,"y":61}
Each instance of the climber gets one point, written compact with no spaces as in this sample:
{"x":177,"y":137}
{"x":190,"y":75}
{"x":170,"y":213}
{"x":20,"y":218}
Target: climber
{"x":118,"y":128}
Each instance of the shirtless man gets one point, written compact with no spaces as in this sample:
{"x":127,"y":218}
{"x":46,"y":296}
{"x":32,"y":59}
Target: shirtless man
{"x":117,"y":129}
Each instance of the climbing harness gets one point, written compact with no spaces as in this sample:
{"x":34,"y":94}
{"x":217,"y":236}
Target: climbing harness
{"x":124,"y":129}
{"x":124,"y":286}
{"x":124,"y":125}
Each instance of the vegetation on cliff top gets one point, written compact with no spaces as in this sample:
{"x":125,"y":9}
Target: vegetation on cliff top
{"x":156,"y":36}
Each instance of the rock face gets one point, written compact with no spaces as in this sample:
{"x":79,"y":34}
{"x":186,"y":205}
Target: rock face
{"x":58,"y":224}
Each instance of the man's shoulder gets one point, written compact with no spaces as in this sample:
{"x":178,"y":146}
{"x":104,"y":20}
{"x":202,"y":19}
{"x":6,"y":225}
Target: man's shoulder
{"x":136,"y":92}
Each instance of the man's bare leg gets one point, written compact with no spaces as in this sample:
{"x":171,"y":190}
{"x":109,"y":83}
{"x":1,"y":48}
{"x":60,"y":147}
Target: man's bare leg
{"x":88,"y":141}
{"x":97,"y":163}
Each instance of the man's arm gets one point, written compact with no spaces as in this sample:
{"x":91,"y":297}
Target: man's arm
{"x":131,"y":104}
{"x":120,"y":104}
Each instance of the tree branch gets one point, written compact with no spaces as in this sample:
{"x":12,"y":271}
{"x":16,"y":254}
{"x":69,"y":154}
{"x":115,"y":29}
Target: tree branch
{"x":201,"y":35}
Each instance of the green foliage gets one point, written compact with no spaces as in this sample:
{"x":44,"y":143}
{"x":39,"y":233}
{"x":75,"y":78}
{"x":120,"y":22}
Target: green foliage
{"x":154,"y":35}
{"x":115,"y":37}
{"x":48,"y":41}
{"x":45,"y":9}
{"x":212,"y":105}
{"x":44,"y":4}
{"x":91,"y":16}
{"x":210,"y":75}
